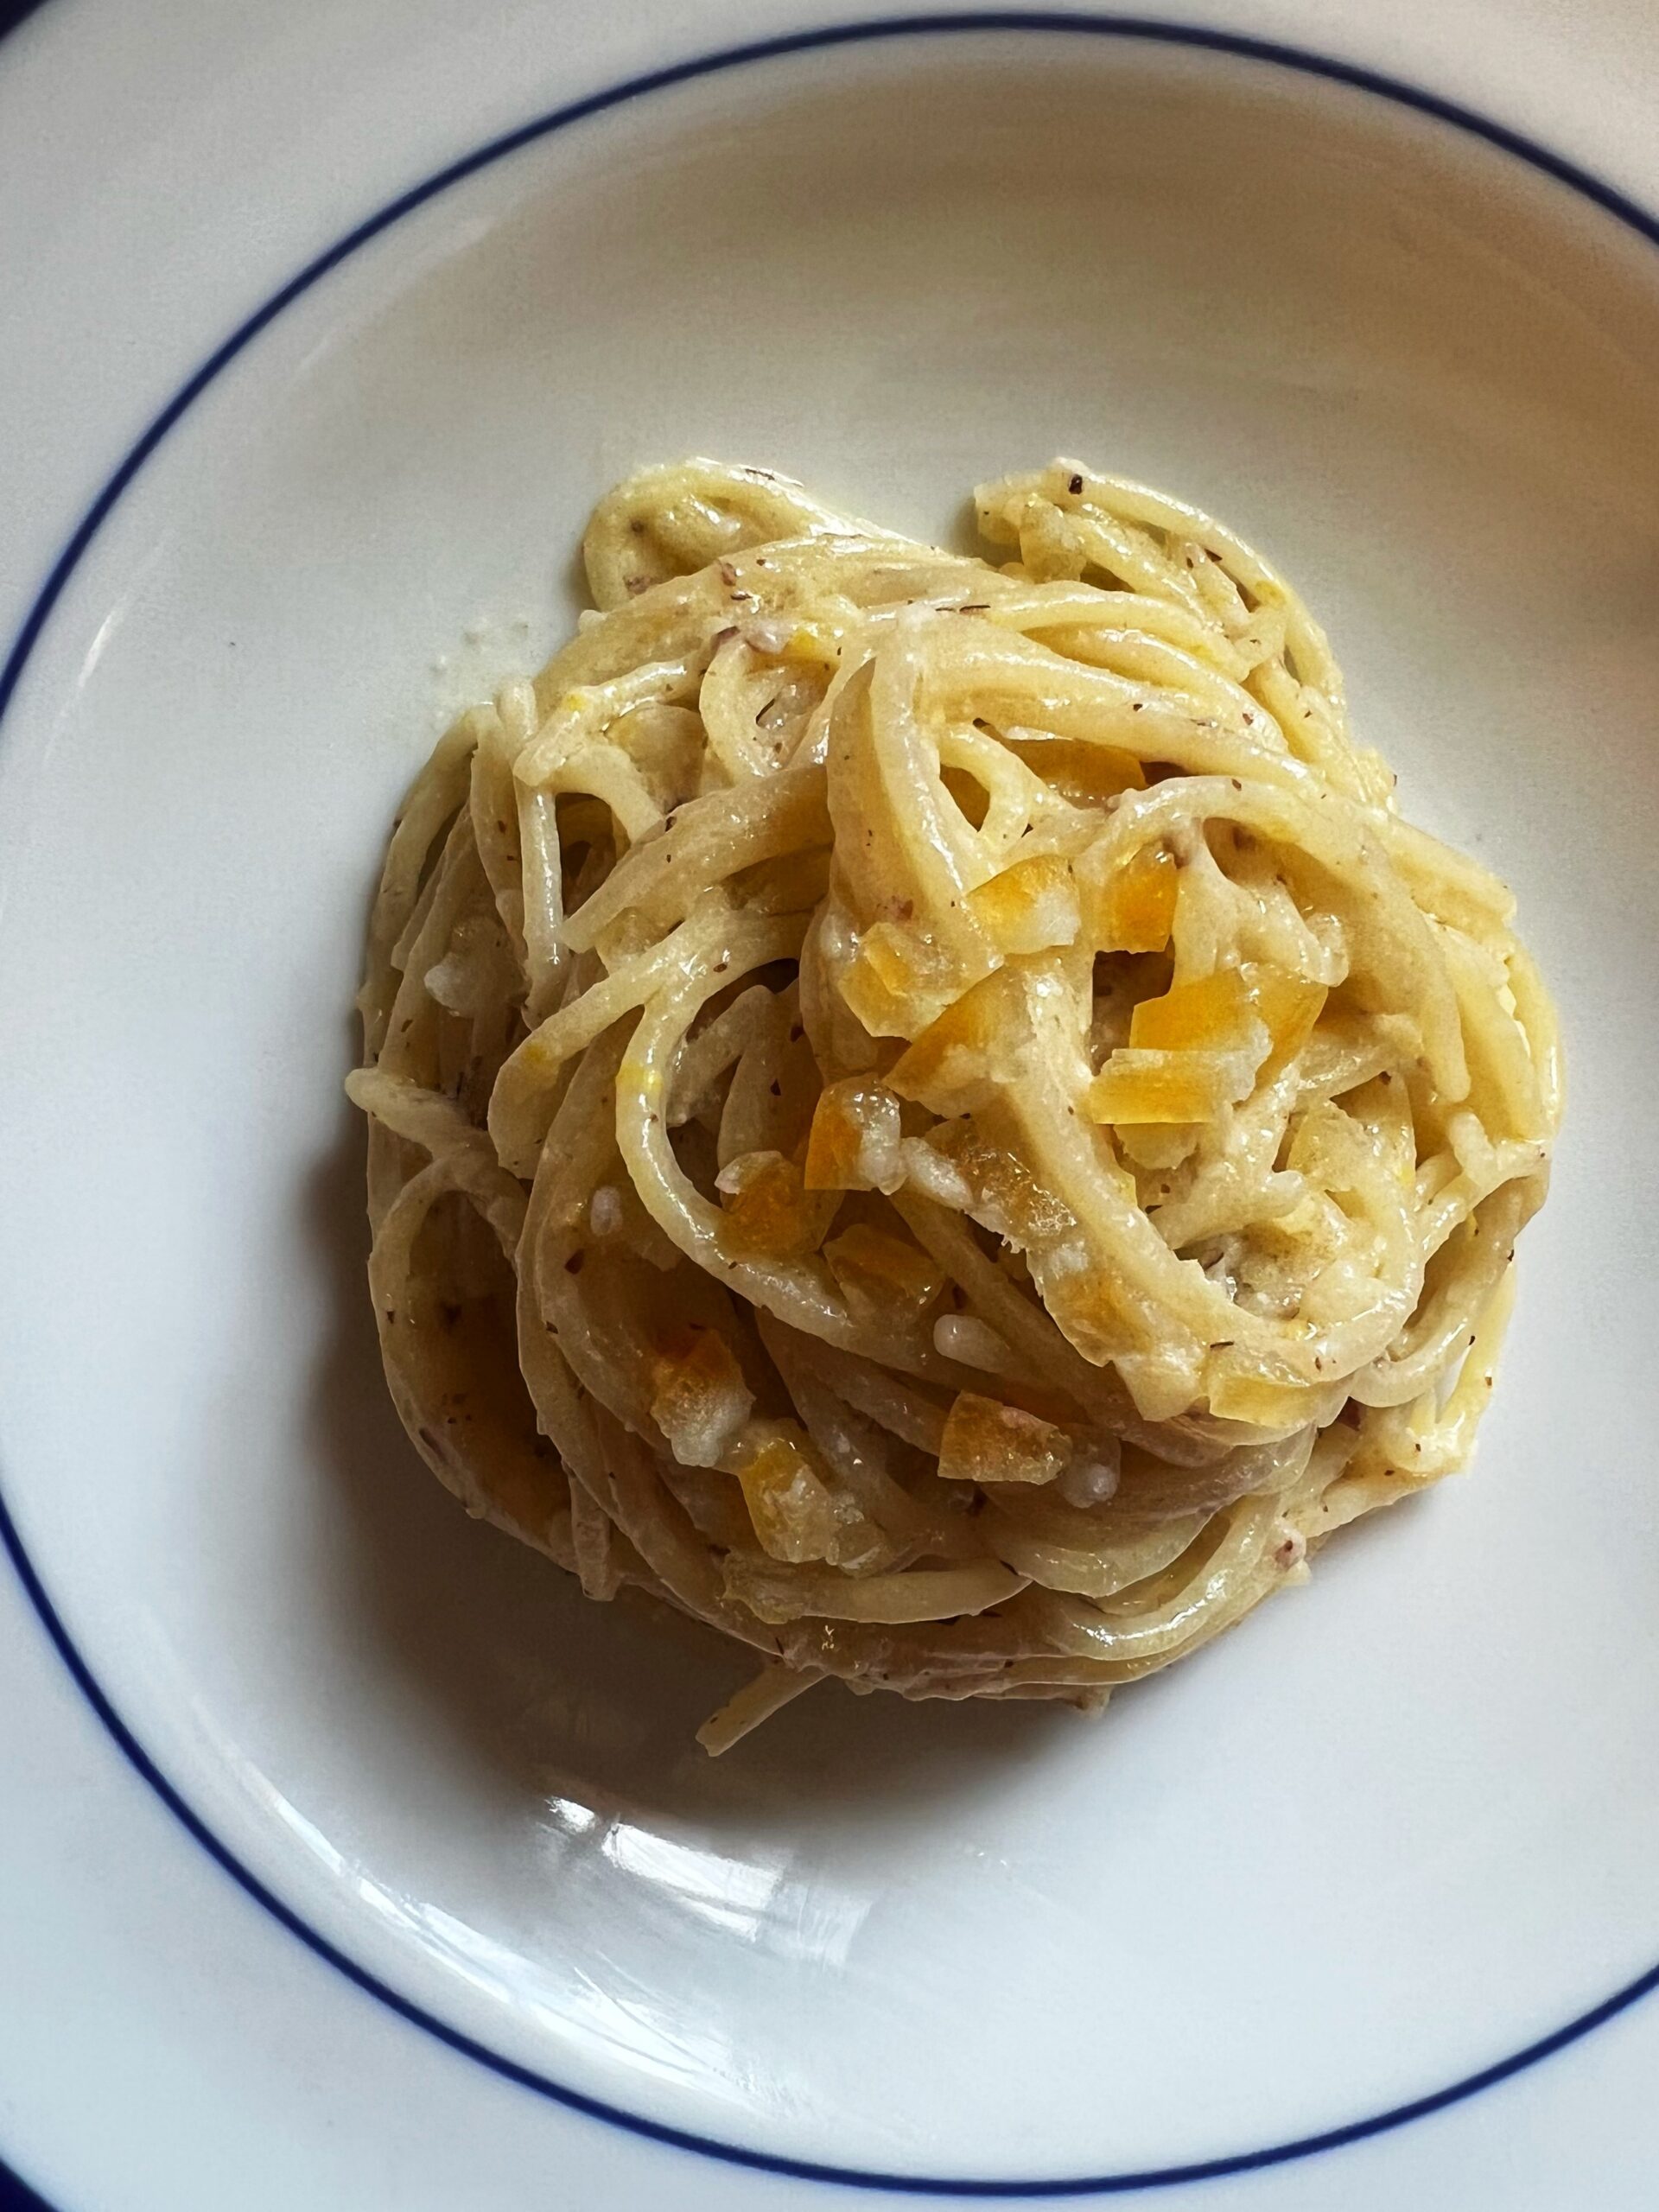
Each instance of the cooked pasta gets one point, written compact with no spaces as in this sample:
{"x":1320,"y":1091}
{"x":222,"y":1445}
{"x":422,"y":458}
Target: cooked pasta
{"x":930,"y":1112}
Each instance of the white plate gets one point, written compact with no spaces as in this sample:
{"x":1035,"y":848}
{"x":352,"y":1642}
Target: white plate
{"x":1392,"y":1841}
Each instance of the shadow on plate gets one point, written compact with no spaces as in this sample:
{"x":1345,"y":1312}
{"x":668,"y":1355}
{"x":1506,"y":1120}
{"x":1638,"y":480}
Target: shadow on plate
{"x":550,"y":1697}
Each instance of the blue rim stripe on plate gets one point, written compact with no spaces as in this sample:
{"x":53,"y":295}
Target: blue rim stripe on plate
{"x":1237,"y":45}
{"x":12,"y":13}
{"x":16,"y":2195}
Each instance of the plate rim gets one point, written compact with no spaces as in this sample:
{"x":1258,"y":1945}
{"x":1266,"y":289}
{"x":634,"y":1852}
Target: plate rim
{"x":1303,"y":60}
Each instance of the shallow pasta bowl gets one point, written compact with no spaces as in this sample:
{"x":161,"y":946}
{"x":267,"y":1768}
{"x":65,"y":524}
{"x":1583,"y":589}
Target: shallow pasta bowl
{"x":1374,"y":1848}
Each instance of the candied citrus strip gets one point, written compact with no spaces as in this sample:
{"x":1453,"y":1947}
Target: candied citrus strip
{"x":1029,"y":906}
{"x":1135,"y":909}
{"x":888,"y":952}
{"x":771,"y":1215}
{"x":895,"y":967}
{"x":813,"y":641}
{"x":883,"y":1271}
{"x":1091,"y":1315}
{"x":986,"y":1442}
{"x":1289,"y":1006}
{"x":1008,"y":1197}
{"x":699,"y":1399}
{"x":852,"y":1118}
{"x":1211,"y":1012}
{"x":794,"y":1508}
{"x":1143,"y":1086}
{"x":1086,"y":774}
{"x":792,"y":1514}
{"x":975,"y":1044}
{"x":833,"y":1144}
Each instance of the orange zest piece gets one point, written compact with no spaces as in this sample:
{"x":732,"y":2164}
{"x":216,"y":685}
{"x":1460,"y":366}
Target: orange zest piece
{"x":794,"y":1506}
{"x":791,"y":1512}
{"x":1135,"y":910}
{"x":699,"y":1399}
{"x":1211,"y":1012}
{"x":957,"y":1061}
{"x":1029,"y":906}
{"x":848,"y":1116}
{"x":1086,"y":774}
{"x":888,"y":951}
{"x":1006,"y":1196}
{"x":1214,"y":1011}
{"x":986,"y":1442}
{"x":1137,"y":1086}
{"x":886,"y":1271}
{"x":1089,"y":1316}
{"x":894,"y":969}
{"x":771,"y":1215}
{"x":1289,"y":1006}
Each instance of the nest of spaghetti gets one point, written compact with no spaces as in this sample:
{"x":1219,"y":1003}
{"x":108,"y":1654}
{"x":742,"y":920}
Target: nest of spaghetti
{"x":929,"y":1112}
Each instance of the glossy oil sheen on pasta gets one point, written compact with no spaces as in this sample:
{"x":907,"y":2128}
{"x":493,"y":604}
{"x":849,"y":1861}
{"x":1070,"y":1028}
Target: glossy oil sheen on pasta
{"x":932,"y":1114}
